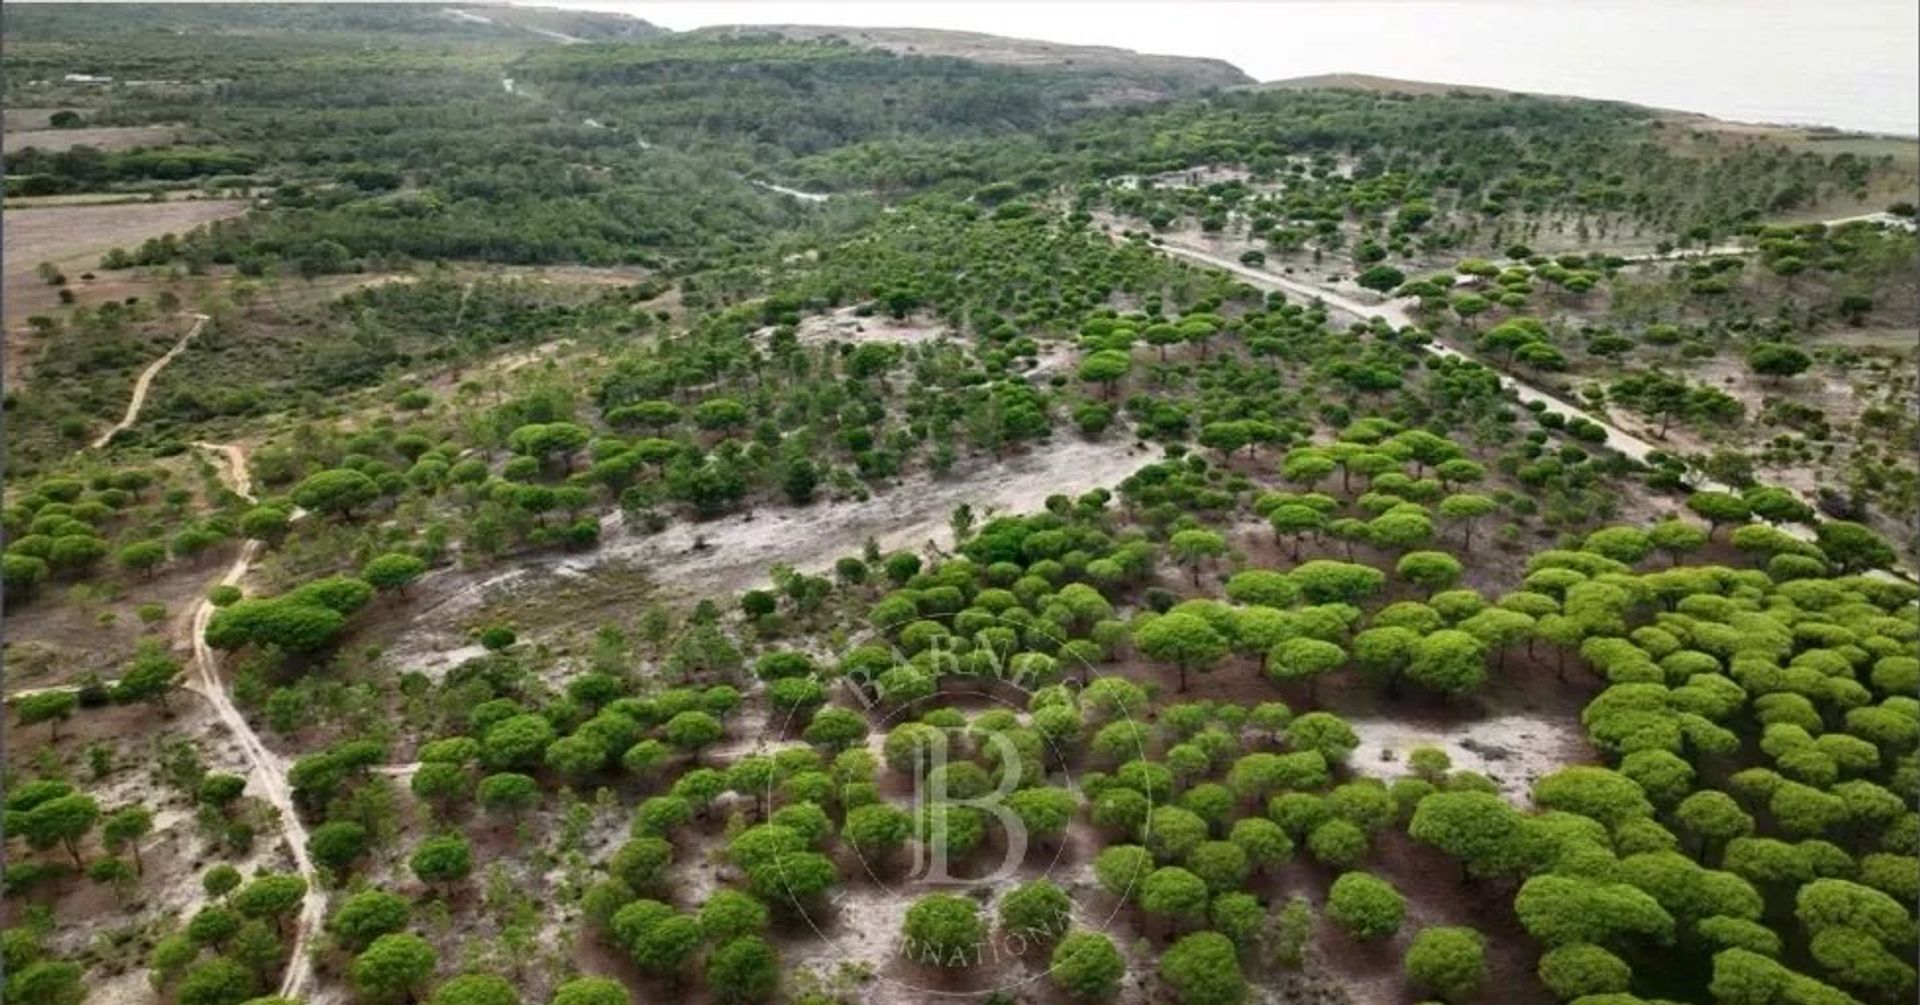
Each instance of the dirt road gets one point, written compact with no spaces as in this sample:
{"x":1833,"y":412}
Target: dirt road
{"x":142,"y":385}
{"x":269,"y":770}
{"x":1618,"y":438}
{"x":794,"y":192}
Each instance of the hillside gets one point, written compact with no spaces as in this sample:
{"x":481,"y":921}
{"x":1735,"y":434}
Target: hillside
{"x":1138,"y":76}
{"x":556,"y":24}
{"x":1370,"y":84}
{"x":515,"y":507}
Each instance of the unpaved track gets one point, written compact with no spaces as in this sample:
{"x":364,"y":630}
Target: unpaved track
{"x":803,"y":196}
{"x":1619,"y":439}
{"x":269,"y":770}
{"x":145,"y":383}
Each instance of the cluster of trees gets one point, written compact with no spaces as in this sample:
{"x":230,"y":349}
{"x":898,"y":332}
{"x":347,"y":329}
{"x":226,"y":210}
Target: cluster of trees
{"x":82,"y":168}
{"x":63,"y":824}
{"x":84,"y":366}
{"x":719,"y":96}
{"x":419,"y":154}
{"x":1210,"y":795}
{"x":1353,"y":175}
{"x":301,"y":620}
{"x":58,"y":529}
{"x":1667,"y":397}
{"x":1748,"y":839}
{"x":1696,"y":863}
{"x":233,"y":949}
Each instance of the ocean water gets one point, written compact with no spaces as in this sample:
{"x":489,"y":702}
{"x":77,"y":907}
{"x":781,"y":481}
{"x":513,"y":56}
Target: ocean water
{"x":1854,"y":64}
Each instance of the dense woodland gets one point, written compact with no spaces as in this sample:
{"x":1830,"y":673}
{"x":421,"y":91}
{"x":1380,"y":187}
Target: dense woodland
{"x":508,"y":317}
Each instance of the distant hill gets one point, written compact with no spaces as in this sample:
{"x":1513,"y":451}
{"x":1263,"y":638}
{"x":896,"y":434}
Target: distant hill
{"x":1371,"y":84}
{"x":1133,"y":76}
{"x":325,"y":23}
{"x":561,"y":25}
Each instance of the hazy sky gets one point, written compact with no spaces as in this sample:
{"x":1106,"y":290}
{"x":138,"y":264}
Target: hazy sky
{"x":1852,"y":63}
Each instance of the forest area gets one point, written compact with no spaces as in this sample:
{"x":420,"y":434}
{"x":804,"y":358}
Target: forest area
{"x":511,"y":505}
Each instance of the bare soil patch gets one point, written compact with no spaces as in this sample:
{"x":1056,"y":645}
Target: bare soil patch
{"x":53,"y":641}
{"x":846,"y":325}
{"x":117,"y":198}
{"x":1513,"y":750}
{"x":104,"y":138}
{"x":173,"y":856}
{"x":71,"y":237}
{"x":721,"y":557}
{"x":22,"y":119}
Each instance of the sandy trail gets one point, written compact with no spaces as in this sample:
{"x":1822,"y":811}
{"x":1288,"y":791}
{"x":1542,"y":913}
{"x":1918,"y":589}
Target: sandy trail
{"x":794,"y":192}
{"x":269,"y":770}
{"x":145,"y":382}
{"x":28,"y":692}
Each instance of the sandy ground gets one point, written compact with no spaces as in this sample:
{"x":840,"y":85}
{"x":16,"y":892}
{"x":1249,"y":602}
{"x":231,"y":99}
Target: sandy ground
{"x":846,"y":325}
{"x":1840,"y":398}
{"x":105,"y":138}
{"x":726,"y":556}
{"x":267,"y":770}
{"x":174,"y":855}
{"x":799,"y":194}
{"x":23,"y":119}
{"x":74,"y":237}
{"x":1513,"y":750}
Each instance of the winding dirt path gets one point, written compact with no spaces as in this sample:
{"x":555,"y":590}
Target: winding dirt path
{"x":145,"y":382}
{"x":269,"y":770}
{"x":1618,"y":438}
{"x":1394,"y":314}
{"x":799,"y":194}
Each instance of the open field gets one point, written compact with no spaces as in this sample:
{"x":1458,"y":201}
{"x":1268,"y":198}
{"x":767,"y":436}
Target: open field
{"x":28,"y":119}
{"x":108,"y":138}
{"x":73,"y":238}
{"x":102,"y":198}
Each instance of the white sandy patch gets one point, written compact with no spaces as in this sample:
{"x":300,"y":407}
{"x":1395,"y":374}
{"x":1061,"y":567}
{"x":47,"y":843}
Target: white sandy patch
{"x":1513,"y":750}
{"x":722,"y":557}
